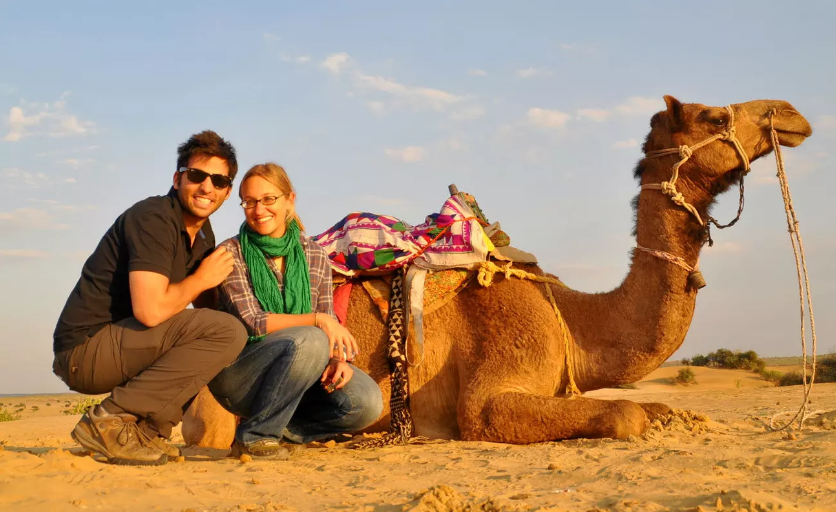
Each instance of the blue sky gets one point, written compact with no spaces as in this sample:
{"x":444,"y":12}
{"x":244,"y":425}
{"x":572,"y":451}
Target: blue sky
{"x":537,"y":108}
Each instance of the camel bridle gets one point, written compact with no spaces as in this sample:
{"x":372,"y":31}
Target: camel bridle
{"x":695,"y":277}
{"x":669,"y":189}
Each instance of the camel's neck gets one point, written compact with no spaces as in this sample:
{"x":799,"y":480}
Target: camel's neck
{"x":623,"y":335}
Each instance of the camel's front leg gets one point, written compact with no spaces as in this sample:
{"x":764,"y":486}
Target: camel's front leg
{"x":520,"y":418}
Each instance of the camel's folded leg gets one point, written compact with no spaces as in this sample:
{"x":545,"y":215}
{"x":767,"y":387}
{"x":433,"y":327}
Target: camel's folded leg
{"x":207,"y":424}
{"x":520,"y":418}
{"x":655,"y":410}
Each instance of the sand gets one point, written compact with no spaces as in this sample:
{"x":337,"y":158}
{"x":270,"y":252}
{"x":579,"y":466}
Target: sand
{"x":727,"y":461}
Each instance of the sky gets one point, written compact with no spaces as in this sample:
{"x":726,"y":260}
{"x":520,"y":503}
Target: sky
{"x":537,"y":108}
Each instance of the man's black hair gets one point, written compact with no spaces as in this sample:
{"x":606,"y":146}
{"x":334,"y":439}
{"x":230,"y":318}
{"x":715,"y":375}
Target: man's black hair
{"x":207,"y":144}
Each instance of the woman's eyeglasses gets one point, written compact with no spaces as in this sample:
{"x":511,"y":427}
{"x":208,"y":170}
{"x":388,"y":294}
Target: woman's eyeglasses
{"x":219,"y":181}
{"x":249,"y":204}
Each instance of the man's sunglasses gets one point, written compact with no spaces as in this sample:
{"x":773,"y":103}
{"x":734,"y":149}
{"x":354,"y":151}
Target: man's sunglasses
{"x":220,"y":181}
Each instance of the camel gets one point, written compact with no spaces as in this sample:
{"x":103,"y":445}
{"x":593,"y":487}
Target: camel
{"x":495,"y":366}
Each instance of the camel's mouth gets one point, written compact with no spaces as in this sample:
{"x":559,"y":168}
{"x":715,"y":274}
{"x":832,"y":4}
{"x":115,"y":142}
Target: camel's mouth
{"x":792,"y":128}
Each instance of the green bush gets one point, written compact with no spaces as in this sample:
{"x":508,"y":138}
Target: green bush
{"x":825,"y":372}
{"x":699,"y":360}
{"x":791,"y":379}
{"x":771,"y":375}
{"x":685,"y":376}
{"x":749,"y":360}
{"x":8,"y":416}
{"x":81,"y":406}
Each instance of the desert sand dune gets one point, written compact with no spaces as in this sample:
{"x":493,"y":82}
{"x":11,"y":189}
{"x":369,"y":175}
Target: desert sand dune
{"x":727,"y":461}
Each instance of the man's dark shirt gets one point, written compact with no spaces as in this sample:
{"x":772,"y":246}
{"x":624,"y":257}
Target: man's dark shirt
{"x":150,"y":236}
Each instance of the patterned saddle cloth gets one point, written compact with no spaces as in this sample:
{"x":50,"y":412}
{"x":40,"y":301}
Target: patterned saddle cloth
{"x":439,"y":255}
{"x":369,"y":243}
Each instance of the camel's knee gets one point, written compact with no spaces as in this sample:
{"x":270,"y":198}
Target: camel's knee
{"x":628,"y":419}
{"x":207,"y":424}
{"x":655,"y":410}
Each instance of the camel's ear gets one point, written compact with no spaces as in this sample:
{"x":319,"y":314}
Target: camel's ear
{"x":675,"y":117}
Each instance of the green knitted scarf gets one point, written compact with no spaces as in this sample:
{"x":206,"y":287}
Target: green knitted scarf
{"x":295,"y":297}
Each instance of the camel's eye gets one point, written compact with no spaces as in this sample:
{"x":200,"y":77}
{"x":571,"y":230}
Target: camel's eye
{"x":718,"y":122}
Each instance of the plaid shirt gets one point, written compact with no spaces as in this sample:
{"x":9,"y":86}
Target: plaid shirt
{"x":238,"y":298}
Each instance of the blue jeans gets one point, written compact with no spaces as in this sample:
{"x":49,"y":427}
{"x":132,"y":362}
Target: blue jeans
{"x":274,"y":387}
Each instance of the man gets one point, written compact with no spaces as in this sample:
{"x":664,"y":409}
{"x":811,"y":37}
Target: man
{"x":125,"y":328}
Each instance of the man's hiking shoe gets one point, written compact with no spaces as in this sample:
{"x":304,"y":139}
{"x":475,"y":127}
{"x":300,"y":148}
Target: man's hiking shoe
{"x":263,"y":449}
{"x":118,"y":438}
{"x":169,"y":449}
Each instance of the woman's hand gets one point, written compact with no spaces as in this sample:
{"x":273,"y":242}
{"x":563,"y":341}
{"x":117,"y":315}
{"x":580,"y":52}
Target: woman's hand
{"x":343,"y":345}
{"x":336,"y":375}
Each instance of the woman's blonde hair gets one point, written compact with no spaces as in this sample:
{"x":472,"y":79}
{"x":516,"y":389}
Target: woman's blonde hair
{"x":276,"y":175}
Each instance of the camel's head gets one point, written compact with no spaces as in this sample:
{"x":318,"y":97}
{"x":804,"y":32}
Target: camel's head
{"x":718,"y":164}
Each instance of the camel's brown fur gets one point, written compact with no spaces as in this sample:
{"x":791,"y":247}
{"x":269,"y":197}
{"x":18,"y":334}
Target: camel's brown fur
{"x":494,"y":367}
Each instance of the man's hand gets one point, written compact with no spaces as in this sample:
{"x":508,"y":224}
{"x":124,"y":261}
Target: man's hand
{"x":215,"y":268}
{"x":343,"y":345}
{"x":336,"y":375}
{"x":154,"y":299}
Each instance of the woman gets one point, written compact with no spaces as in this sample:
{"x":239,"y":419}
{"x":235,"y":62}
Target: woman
{"x":293,"y":380}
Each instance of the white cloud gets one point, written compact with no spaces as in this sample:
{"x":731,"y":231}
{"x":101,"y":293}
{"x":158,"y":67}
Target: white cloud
{"x":45,"y":119}
{"x":22,"y":254}
{"x":467,"y":113}
{"x":29,"y":218}
{"x":267,"y":37}
{"x":477,"y":72}
{"x":408,"y":154}
{"x":20,"y":178}
{"x":76,"y":163}
{"x":634,"y":105}
{"x":637,"y":105}
{"x":598,"y":115}
{"x":18,"y":122}
{"x":543,"y":118}
{"x":397,"y":95}
{"x":378,"y":107}
{"x":417,"y":97}
{"x":531,"y":72}
{"x":624,"y":144}
{"x":336,"y":62}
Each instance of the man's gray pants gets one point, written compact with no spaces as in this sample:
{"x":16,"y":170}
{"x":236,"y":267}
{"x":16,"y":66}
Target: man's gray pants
{"x":153,"y":373}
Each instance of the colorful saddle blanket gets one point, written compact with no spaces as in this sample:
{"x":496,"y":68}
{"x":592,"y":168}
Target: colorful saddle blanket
{"x":370,"y":243}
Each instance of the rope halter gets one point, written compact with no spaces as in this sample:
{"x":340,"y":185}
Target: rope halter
{"x":685,"y":152}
